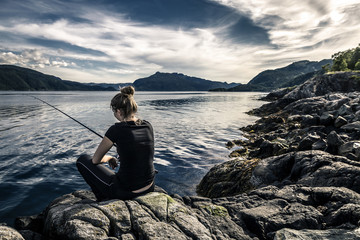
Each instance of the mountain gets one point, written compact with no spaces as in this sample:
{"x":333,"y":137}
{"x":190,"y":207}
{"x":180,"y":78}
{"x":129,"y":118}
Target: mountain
{"x":293,"y":74}
{"x":177,"y":82}
{"x":23,"y":79}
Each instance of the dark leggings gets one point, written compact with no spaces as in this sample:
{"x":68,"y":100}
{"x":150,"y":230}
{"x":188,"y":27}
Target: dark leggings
{"x":103,"y":181}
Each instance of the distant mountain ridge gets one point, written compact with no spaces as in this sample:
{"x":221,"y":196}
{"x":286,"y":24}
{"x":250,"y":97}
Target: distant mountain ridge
{"x":177,"y":82}
{"x":24,"y":79}
{"x":290,"y":75}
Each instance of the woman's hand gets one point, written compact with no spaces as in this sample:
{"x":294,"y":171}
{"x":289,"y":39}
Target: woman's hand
{"x":113,"y":163}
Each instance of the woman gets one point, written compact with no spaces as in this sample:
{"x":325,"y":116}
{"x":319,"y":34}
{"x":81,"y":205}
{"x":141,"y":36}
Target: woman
{"x":134,"y":139}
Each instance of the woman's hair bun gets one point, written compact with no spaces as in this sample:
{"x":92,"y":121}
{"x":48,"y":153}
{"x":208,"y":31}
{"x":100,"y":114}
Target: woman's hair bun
{"x":128,"y":90}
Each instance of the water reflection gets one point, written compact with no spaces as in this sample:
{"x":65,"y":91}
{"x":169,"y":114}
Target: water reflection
{"x":15,"y":111}
{"x":174,"y":102}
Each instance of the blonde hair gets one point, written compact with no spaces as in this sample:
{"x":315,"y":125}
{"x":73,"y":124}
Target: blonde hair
{"x":124,"y":101}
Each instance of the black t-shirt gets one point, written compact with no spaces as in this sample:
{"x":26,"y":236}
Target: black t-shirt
{"x":135,"y":146}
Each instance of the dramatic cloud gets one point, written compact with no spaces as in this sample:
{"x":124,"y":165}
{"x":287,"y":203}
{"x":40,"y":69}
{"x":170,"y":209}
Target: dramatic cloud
{"x":221,"y":40}
{"x":306,"y":29}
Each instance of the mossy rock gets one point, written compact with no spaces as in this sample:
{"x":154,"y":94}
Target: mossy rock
{"x":215,"y":210}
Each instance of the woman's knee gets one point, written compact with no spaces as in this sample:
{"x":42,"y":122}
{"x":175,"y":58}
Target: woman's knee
{"x":84,"y":159}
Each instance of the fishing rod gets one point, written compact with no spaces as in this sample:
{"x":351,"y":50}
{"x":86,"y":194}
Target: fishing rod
{"x":156,"y":171}
{"x":68,"y":116}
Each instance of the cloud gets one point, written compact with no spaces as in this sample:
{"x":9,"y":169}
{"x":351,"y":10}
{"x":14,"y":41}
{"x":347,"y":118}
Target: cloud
{"x":133,"y":46}
{"x":223,"y":40}
{"x":294,"y":26}
{"x":32,"y":58}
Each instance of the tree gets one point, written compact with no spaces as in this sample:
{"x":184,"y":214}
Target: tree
{"x":357,"y":65}
{"x":346,"y":60}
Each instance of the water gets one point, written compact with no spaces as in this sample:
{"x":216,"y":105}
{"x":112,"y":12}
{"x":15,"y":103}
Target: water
{"x":39,"y":145}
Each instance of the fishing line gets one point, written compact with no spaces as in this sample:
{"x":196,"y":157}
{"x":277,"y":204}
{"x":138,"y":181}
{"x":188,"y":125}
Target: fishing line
{"x":68,"y":116}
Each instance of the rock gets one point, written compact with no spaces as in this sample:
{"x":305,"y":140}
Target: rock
{"x":313,"y":168}
{"x":230,"y":144}
{"x":323,"y":84}
{"x":334,"y":139}
{"x":119,"y":216}
{"x":149,"y":227}
{"x":229,"y":178}
{"x":152,"y":216}
{"x":347,"y":213}
{"x":319,"y":145}
{"x":34,"y":223}
{"x":340,"y":121}
{"x":354,"y":126}
{"x":239,"y":152}
{"x":333,"y":142}
{"x":263,"y":219}
{"x":266,"y":210}
{"x":277,"y":94}
{"x":309,"y":120}
{"x":30,"y":235}
{"x":344,"y":110}
{"x":308,"y":142}
{"x":76,"y":221}
{"x":257,"y":214}
{"x":128,"y":236}
{"x":350,"y":147}
{"x":270,"y":148}
{"x":326,"y":119}
{"x":309,"y":234}
{"x":8,"y":233}
{"x":307,"y":107}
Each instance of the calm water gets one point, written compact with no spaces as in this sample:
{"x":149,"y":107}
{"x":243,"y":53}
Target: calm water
{"x":39,"y":146}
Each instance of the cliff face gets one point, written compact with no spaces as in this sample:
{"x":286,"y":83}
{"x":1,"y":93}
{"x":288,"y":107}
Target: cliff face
{"x":296,"y":177}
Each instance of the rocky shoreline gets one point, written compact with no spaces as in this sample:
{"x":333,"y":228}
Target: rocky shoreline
{"x":295,"y":177}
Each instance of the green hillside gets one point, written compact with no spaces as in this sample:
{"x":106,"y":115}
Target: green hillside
{"x":293,"y":74}
{"x":23,"y":79}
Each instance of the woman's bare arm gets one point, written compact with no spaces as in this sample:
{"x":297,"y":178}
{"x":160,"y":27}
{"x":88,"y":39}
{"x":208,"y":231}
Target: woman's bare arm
{"x":103,"y":148}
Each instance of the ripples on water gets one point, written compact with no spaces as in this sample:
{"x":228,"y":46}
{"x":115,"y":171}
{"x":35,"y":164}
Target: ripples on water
{"x":39,"y":146}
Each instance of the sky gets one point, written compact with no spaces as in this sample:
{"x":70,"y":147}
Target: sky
{"x":106,"y":41}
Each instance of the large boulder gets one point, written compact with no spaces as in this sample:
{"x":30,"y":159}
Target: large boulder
{"x":324,"y":84}
{"x":313,"y":168}
{"x":153,"y":216}
{"x":226,"y":179}
{"x":267,"y":210}
{"x":310,"y":234}
{"x":8,"y":233}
